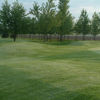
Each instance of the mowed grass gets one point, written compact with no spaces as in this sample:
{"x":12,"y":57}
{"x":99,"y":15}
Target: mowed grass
{"x":31,"y":70}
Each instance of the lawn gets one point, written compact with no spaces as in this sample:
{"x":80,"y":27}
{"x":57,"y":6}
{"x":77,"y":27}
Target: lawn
{"x":33,"y":70}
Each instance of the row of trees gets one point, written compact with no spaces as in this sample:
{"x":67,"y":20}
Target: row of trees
{"x":86,"y":26}
{"x":45,"y":19}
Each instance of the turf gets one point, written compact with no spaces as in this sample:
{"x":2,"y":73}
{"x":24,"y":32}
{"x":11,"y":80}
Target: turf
{"x":33,"y":70}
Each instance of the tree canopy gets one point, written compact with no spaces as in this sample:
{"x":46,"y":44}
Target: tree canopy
{"x":83,"y":24}
{"x":46,"y":19}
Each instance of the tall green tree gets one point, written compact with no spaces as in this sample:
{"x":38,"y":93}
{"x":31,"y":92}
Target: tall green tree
{"x":47,"y":18}
{"x":95,"y":24}
{"x":5,"y":15}
{"x":17,"y":17}
{"x":65,"y":18}
{"x":35,"y":12}
{"x":44,"y":16}
{"x":83,"y":24}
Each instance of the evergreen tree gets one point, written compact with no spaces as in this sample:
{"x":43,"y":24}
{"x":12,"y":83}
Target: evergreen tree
{"x":95,"y":24}
{"x":65,"y":18}
{"x":83,"y":24}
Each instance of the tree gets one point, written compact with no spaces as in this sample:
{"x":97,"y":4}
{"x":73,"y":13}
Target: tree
{"x":95,"y":24}
{"x":35,"y":12}
{"x":83,"y":24}
{"x":17,"y":17}
{"x":47,"y":18}
{"x":27,"y":26}
{"x":65,"y":18}
{"x":44,"y":16}
{"x":1,"y":29}
{"x":5,"y":18}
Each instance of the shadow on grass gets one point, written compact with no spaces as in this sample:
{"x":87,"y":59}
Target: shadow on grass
{"x":58,"y":43}
{"x":5,"y":40}
{"x":53,"y":42}
{"x":80,"y":55}
{"x":10,"y":40}
{"x":17,"y":85}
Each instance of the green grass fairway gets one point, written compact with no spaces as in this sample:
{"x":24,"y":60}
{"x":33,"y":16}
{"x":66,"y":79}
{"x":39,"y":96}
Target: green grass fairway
{"x":32,"y":70}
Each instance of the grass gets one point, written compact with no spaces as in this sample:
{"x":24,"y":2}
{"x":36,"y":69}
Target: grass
{"x":31,"y":70}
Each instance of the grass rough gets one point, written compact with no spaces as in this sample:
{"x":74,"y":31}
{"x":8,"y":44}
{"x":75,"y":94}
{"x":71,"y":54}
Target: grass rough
{"x":33,"y":70}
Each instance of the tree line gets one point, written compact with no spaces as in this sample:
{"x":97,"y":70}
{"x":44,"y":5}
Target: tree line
{"x":46,"y":19}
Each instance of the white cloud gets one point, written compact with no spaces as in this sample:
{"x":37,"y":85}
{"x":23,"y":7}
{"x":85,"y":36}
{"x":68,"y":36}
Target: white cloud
{"x":90,"y":5}
{"x":90,"y":9}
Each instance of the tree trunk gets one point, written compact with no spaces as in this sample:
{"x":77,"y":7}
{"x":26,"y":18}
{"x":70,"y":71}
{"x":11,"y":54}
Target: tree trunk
{"x":44,"y":37}
{"x":41,"y":37}
{"x":61,"y":38}
{"x":50,"y":37}
{"x":76,"y":37}
{"x":14,"y":37}
{"x":67,"y":37}
{"x":83,"y":37}
{"x":47,"y":38}
{"x":94,"y":37}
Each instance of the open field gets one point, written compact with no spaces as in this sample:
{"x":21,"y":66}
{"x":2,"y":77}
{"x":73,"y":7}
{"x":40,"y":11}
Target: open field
{"x":49,"y":71}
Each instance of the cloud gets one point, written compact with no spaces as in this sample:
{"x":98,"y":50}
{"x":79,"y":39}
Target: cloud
{"x":90,"y":5}
{"x":90,"y":9}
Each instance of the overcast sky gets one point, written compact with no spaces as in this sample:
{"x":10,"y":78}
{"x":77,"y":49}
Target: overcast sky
{"x":75,"y":5}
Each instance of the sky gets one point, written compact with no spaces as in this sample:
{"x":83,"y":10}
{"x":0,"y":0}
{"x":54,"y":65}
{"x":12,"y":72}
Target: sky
{"x":75,"y":5}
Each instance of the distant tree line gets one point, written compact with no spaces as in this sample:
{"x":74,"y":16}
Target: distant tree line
{"x":47,"y":19}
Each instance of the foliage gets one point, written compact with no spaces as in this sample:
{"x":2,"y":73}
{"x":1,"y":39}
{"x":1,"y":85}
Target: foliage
{"x":83,"y":24}
{"x":95,"y":24}
{"x":17,"y":17}
{"x":5,"y":18}
{"x":46,"y":19}
{"x":65,"y":18}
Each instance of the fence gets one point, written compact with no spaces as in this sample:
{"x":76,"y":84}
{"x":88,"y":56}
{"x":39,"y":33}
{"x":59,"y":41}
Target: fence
{"x":52,"y":37}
